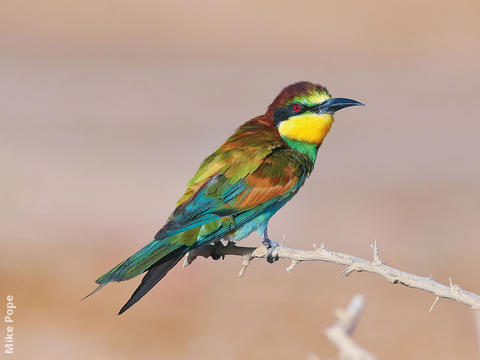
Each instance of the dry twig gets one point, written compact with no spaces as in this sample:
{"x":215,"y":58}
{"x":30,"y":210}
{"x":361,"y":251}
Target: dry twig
{"x":340,"y":333}
{"x":352,"y":263}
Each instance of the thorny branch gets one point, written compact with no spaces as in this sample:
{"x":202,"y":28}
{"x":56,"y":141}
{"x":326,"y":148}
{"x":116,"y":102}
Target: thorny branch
{"x":352,"y":264}
{"x":340,"y":332}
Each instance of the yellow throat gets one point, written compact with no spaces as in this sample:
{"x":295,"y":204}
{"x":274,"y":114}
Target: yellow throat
{"x":308,"y":127}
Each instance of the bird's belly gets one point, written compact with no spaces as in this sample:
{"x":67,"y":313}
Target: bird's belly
{"x":258,"y":223}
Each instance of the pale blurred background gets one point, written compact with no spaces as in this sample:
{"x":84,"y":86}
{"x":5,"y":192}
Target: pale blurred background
{"x":108,"y":107}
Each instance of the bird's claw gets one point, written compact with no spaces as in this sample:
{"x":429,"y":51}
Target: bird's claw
{"x":271,"y":246}
{"x":270,"y":258}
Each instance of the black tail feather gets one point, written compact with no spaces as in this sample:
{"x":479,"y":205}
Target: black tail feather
{"x":153,"y":276}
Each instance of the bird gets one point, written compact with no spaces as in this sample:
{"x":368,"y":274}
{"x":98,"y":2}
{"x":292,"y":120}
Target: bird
{"x":241,"y":185}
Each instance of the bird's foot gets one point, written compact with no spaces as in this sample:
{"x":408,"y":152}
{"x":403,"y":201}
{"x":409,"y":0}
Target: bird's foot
{"x":216,"y":252}
{"x":271,"y":246}
{"x":270,"y":258}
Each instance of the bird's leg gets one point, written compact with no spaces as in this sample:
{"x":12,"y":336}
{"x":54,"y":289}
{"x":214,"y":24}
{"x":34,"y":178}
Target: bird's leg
{"x":270,"y":245}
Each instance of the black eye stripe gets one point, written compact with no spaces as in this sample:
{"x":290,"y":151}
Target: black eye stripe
{"x":281,"y":114}
{"x":284,"y":113}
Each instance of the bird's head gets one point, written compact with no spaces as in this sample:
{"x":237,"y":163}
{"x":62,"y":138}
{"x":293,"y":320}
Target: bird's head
{"x":303,"y":112}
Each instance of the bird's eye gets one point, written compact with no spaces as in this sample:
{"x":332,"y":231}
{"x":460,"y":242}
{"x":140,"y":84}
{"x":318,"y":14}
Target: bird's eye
{"x":297,"y":107}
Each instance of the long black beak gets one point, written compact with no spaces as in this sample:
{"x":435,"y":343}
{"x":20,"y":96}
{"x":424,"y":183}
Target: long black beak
{"x":330,"y":106}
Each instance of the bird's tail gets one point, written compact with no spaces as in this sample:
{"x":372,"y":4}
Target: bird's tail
{"x":155,"y":273}
{"x":158,"y":257}
{"x":139,"y":262}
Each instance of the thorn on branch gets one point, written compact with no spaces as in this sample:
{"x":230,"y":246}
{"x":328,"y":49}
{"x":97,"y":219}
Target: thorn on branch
{"x":245,"y":263}
{"x":284,"y":239}
{"x":185,"y":262}
{"x":454,"y":287}
{"x":292,"y":265}
{"x":350,"y":269}
{"x":189,"y":258}
{"x":321,"y":249}
{"x":434,"y":303}
{"x":376,"y":257}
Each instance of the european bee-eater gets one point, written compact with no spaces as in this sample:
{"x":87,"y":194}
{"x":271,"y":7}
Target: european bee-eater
{"x":239,"y":187}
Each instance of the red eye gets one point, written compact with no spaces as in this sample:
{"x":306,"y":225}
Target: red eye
{"x":297,"y":107}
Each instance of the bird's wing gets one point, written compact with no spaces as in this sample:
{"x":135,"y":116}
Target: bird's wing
{"x":238,"y":177}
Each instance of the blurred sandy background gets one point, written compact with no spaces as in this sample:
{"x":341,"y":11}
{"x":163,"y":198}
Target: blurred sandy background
{"x":107,"y":108}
